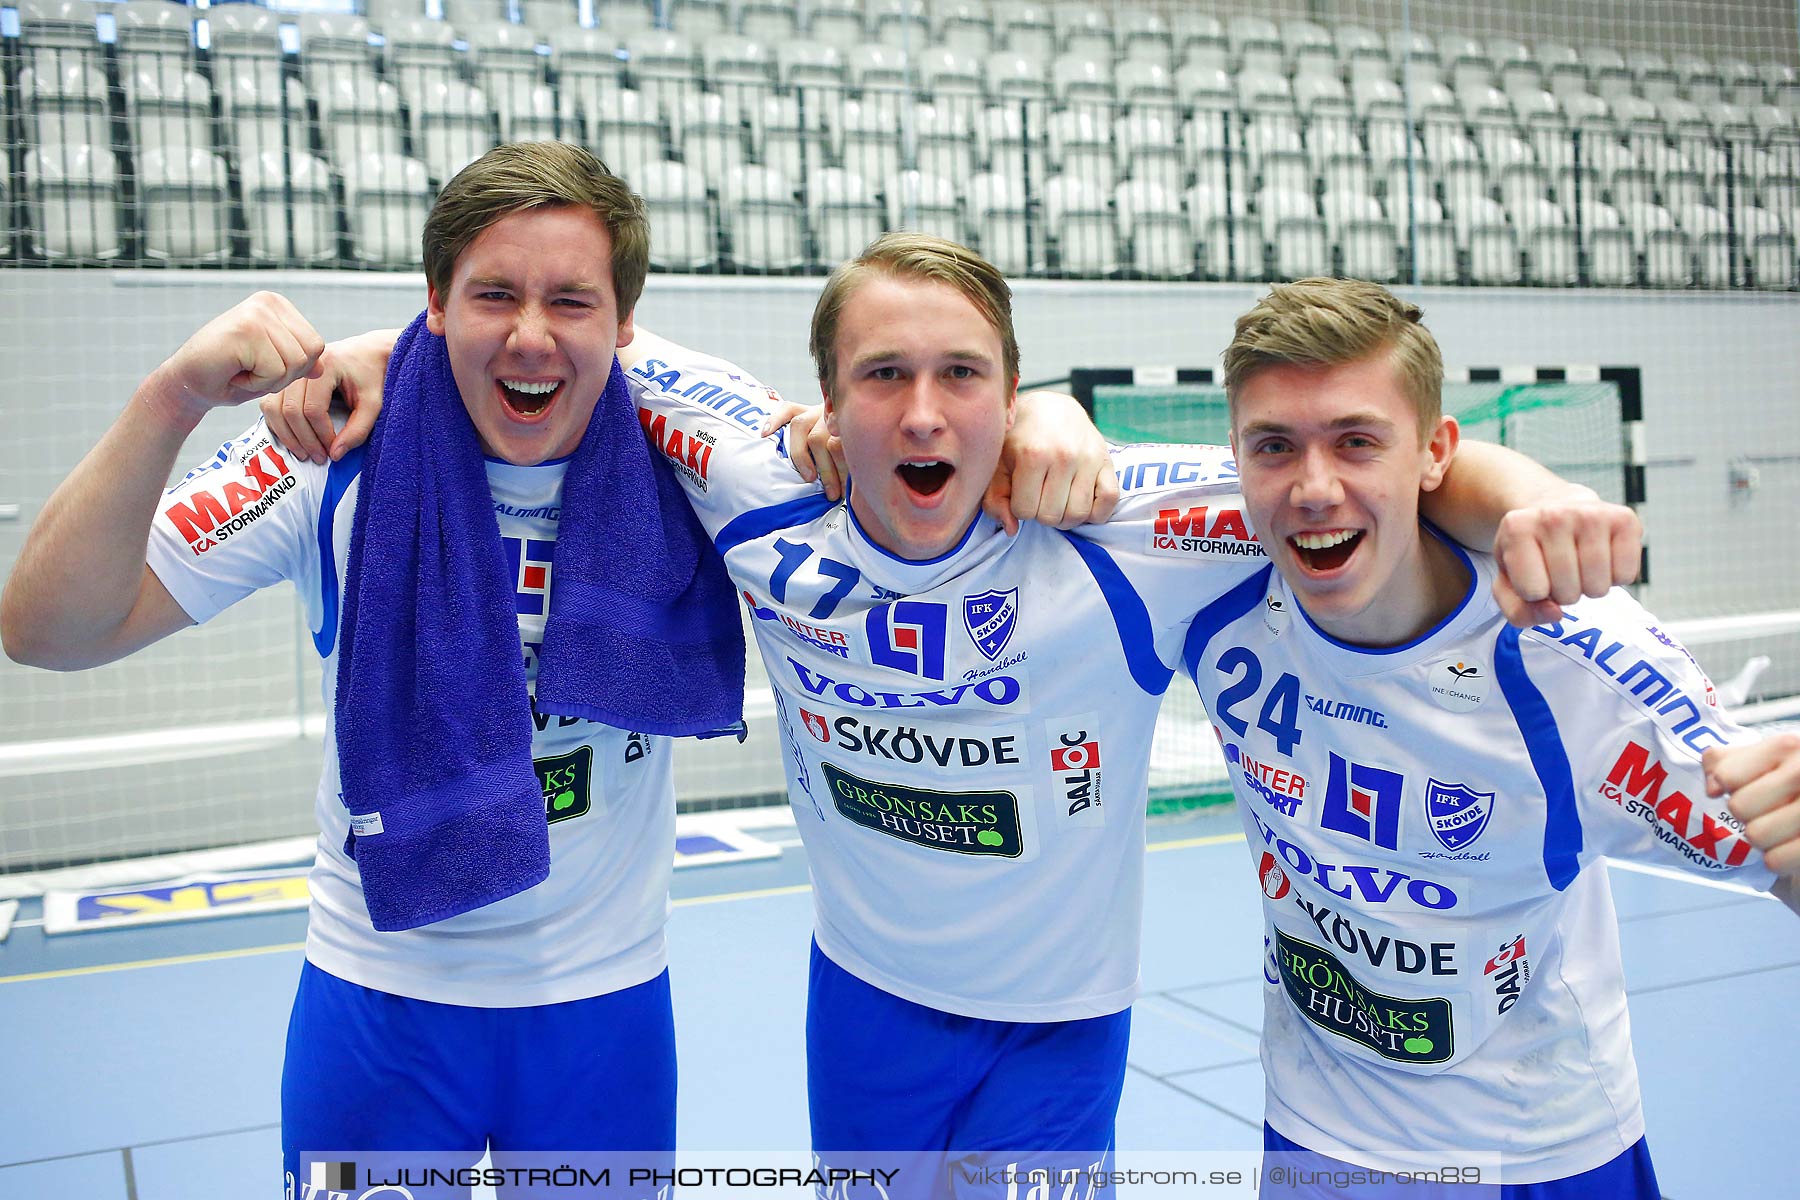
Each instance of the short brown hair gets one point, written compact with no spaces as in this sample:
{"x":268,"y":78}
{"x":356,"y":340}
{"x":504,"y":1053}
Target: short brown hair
{"x":1329,"y":322}
{"x":522,"y":175}
{"x":915,"y":256}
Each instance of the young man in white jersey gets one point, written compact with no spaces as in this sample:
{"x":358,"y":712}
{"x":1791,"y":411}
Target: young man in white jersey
{"x":538,"y":1018}
{"x":946,"y":696}
{"x":1442,"y":959}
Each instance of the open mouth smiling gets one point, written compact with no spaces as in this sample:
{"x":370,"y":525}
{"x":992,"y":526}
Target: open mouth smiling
{"x":527,"y":398}
{"x":1323,"y":552}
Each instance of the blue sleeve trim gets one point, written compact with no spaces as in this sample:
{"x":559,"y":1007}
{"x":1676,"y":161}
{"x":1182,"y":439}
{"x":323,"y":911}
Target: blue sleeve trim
{"x":337,"y":482}
{"x":1129,"y":615}
{"x":1222,"y":612}
{"x":760,"y":522}
{"x":1562,"y":818}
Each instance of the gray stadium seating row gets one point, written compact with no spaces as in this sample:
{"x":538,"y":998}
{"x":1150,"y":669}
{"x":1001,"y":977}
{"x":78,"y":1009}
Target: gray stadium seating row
{"x":1297,"y":154}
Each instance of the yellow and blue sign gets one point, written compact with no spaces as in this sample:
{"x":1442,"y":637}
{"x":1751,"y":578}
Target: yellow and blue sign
{"x":193,"y":897}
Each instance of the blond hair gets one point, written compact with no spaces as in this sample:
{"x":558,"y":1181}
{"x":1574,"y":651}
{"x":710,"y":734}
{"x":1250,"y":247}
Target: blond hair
{"x":524,"y":175}
{"x":1329,"y":322}
{"x":915,"y":256}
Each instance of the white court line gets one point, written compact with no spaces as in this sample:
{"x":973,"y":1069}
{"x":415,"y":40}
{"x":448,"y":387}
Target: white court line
{"x":1684,"y":877}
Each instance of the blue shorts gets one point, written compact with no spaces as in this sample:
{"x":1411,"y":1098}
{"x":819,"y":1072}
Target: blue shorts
{"x":903,"y":1081}
{"x":1627,"y":1177}
{"x":371,"y":1071}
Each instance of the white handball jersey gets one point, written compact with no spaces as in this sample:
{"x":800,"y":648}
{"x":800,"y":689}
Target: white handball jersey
{"x":1426,"y":821}
{"x":966,"y":739}
{"x":253,"y":516}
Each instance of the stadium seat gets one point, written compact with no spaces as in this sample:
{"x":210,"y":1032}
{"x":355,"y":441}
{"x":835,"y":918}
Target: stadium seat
{"x":1358,"y":45}
{"x":698,"y":19}
{"x":1076,"y":79}
{"x":663,"y":66}
{"x":676,"y":194}
{"x":1203,"y":88}
{"x":1081,"y":146}
{"x":1202,"y":204}
{"x":387,"y":197}
{"x":1151,"y":221}
{"x":1493,"y":247}
{"x":1308,"y":49}
{"x":1264,"y":90}
{"x":1347,"y":175}
{"x":1466,"y":198}
{"x":382,"y":13}
{"x":49,"y":27}
{"x":334,"y":42}
{"x":455,"y":127}
{"x":356,"y":120}
{"x":903,"y":24}
{"x":66,"y":103}
{"x":627,"y":132}
{"x":1286,"y":170}
{"x":1255,"y":44}
{"x":775,"y":22}
{"x":1149,"y":149}
{"x":1769,"y":249}
{"x":1233,"y":248}
{"x":421,"y":52}
{"x":1551,"y":246}
{"x":72,"y":193}
{"x":1332,"y":137}
{"x":1224,"y":171}
{"x":1083,"y":227}
{"x":952,"y":79}
{"x":162,"y":29}
{"x":507,"y":66}
{"x":924,"y":202}
{"x":625,"y":17}
{"x":1195,"y":29}
{"x":844,"y":212}
{"x":839,"y":23}
{"x":294,"y":203}
{"x":1355,"y":222}
{"x":1145,"y":36}
{"x":546,"y":17}
{"x":1612,"y":258}
{"x":1084,"y":30}
{"x":764,"y":221}
{"x":168,"y":108}
{"x":1379,"y":99}
{"x":585,"y":54}
{"x":781,"y":143}
{"x":813,"y":73}
{"x":1524,"y":189}
{"x":1142,"y":86}
{"x":965,"y":27}
{"x":944,"y":136}
{"x":1015,"y":153}
{"x":1012,"y":76}
{"x":1291,"y":224}
{"x":1026,"y":28}
{"x":1650,"y":225}
{"x":1315,"y":94}
{"x":868,"y":140}
{"x":710,"y":138}
{"x":998,"y":225}
{"x":184,"y":206}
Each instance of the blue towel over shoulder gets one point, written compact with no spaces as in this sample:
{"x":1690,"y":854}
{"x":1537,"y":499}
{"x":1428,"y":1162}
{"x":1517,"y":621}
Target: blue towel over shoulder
{"x":433,"y":716}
